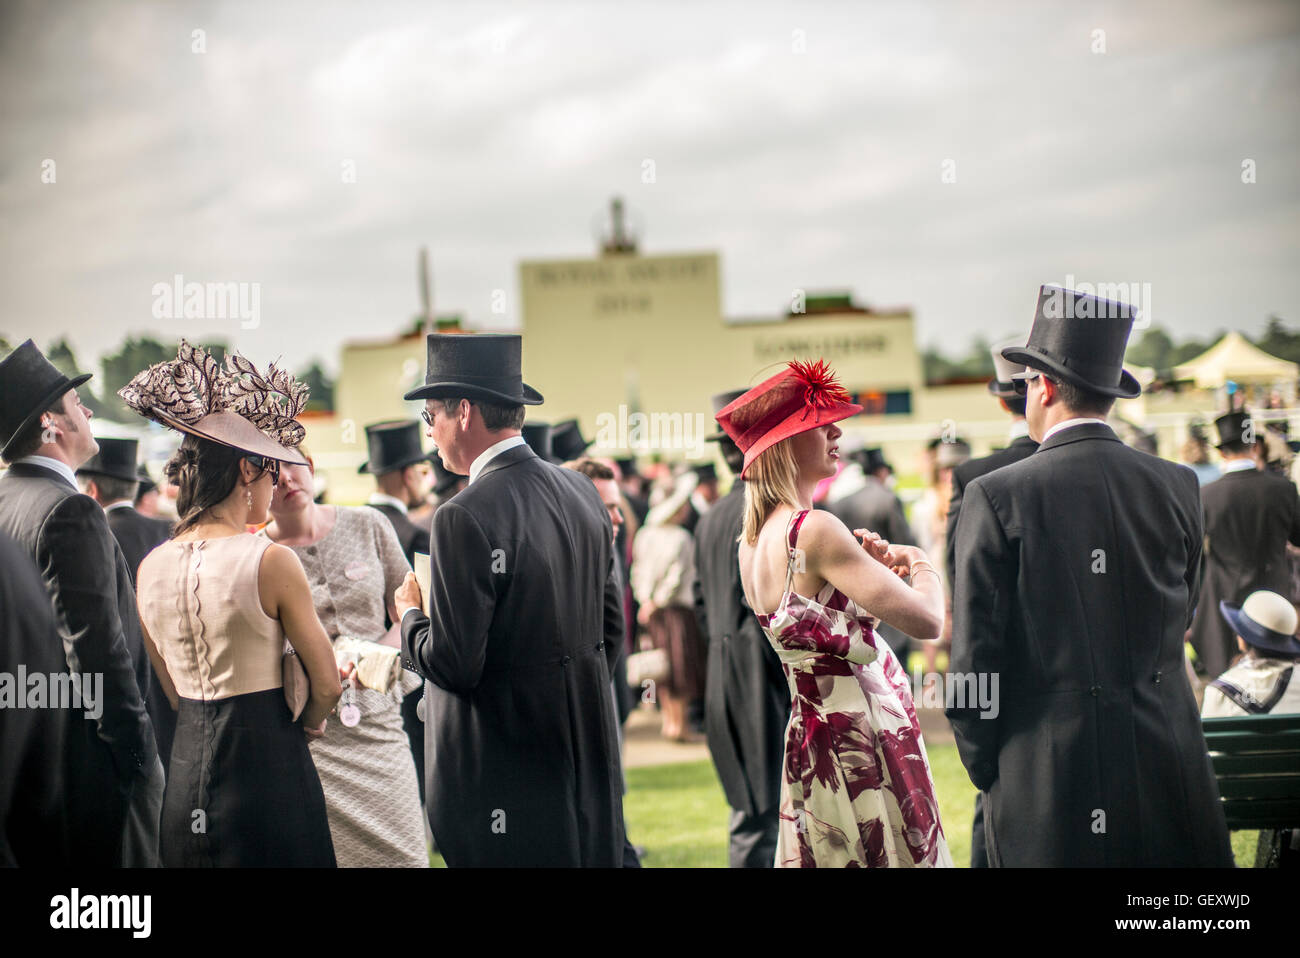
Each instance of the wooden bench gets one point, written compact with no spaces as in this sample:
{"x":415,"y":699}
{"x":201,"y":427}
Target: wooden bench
{"x":1256,"y":761}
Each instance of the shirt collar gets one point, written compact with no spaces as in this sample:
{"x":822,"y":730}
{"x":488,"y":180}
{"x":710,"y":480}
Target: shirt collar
{"x":1238,"y":465}
{"x":57,"y":465}
{"x":1068,"y":423}
{"x":120,"y":504}
{"x":1019,"y":428}
{"x":383,"y":499}
{"x":490,"y":453}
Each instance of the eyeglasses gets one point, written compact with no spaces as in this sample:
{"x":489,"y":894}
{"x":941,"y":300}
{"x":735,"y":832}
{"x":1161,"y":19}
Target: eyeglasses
{"x":428,"y":420}
{"x":1021,"y":386}
{"x":267,"y":465}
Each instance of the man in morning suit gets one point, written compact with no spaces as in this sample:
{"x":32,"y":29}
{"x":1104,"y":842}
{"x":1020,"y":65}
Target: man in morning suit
{"x":113,"y":780}
{"x":1004,"y":388}
{"x":746,"y":696}
{"x":1078,"y":570}
{"x":403,"y":478}
{"x":521,"y":749}
{"x":111,"y":478}
{"x":1250,"y":516}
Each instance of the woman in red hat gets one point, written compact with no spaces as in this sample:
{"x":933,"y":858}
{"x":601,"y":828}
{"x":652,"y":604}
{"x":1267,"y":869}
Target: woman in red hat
{"x":857,"y":789}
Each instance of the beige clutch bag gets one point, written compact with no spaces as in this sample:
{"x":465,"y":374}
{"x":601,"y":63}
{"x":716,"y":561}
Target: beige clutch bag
{"x":379,"y":667}
{"x":296,"y":685}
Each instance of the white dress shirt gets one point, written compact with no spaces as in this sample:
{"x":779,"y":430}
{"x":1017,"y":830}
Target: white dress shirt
{"x":120,"y":504}
{"x":383,"y":499}
{"x":490,"y":453}
{"x":1066,"y":424}
{"x":1238,"y":465}
{"x":58,"y":465}
{"x":1019,"y":428}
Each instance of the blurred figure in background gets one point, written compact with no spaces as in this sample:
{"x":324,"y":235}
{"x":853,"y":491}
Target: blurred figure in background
{"x":403,"y":477}
{"x":663,"y":581}
{"x":1196,"y":455}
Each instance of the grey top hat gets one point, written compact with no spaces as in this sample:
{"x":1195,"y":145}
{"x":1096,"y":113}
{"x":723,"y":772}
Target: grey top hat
{"x":473,"y":366}
{"x":29,"y":384}
{"x":1080,"y":338}
{"x":116,"y":459}
{"x":1002,"y":384}
{"x":721,"y":401}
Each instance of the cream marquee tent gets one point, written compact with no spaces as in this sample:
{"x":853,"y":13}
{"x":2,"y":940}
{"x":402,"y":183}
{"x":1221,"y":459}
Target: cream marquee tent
{"x":1234,"y":358}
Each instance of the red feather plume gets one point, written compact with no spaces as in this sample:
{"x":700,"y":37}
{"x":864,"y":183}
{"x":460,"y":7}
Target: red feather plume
{"x":820,"y":388}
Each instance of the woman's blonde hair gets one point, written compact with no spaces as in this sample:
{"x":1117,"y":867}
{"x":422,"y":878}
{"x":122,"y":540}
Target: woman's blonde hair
{"x":770,"y":481}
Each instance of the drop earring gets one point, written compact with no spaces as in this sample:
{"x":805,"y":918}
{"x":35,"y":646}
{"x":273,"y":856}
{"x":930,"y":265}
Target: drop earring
{"x":248,"y":496}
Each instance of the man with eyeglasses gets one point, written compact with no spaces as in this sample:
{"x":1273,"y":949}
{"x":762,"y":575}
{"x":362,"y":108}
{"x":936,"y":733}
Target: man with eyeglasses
{"x":112,"y":778}
{"x":1078,"y":570}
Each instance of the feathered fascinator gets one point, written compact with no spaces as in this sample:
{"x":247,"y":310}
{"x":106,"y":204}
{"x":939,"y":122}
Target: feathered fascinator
{"x":236,"y":405}
{"x":803,"y":396}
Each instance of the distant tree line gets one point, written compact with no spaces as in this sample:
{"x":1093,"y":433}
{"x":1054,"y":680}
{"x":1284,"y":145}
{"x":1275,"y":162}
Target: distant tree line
{"x":137,"y":353}
{"x":1155,"y":348}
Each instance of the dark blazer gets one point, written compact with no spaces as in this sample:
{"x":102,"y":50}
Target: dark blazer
{"x":87,"y":579}
{"x":33,"y":814}
{"x":874,"y":507}
{"x":1077,"y":573}
{"x":1250,"y":516}
{"x":138,"y":536}
{"x":521,"y":749}
{"x":746,"y":698}
{"x":412,"y":537}
{"x":1021,"y":448}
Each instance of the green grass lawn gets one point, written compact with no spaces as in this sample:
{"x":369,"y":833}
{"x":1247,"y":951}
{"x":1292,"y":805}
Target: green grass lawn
{"x":679,"y":815}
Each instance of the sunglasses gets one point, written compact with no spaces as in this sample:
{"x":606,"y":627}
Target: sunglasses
{"x":267,"y":465}
{"x":428,"y":420}
{"x":1021,"y":386}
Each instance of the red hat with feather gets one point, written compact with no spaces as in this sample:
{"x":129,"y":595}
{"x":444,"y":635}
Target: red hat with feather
{"x":802,"y":397}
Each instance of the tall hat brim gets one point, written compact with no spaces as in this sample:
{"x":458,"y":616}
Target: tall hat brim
{"x":41,"y":405}
{"x":233,"y":430}
{"x":528,"y":396}
{"x":402,"y":463}
{"x":1128,"y":387}
{"x":1002,"y":390}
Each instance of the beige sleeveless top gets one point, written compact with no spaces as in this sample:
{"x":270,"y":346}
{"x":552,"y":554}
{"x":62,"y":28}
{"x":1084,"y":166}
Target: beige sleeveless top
{"x":200,"y":603}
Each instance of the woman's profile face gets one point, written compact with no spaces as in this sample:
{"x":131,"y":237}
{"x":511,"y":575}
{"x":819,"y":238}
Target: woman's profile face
{"x":294,"y":491}
{"x":816,"y":451}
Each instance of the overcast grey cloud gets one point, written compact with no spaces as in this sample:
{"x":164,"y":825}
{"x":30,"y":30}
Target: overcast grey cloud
{"x":803,"y":142}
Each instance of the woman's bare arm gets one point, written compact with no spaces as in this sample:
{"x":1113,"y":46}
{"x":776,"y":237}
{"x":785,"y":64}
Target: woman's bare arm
{"x":286,"y":595}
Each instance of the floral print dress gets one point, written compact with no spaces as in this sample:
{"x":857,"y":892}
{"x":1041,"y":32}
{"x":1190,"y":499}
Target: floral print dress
{"x":857,"y":790}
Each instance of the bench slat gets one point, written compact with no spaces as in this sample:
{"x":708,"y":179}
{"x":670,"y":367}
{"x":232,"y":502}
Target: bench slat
{"x":1249,"y":787}
{"x":1233,"y":765}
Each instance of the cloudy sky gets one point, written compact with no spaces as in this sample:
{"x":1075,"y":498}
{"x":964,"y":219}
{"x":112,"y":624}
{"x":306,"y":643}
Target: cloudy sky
{"x":806,"y":143}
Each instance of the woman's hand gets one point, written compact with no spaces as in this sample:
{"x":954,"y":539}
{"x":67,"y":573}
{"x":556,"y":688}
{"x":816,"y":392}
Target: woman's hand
{"x":901,"y":559}
{"x":878,"y":549}
{"x":314,"y":733}
{"x":644,"y":612}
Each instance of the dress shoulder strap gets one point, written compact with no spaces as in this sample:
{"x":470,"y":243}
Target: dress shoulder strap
{"x":792,"y":536}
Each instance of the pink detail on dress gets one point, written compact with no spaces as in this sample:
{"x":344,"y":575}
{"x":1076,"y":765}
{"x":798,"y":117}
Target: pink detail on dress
{"x":857,"y":790}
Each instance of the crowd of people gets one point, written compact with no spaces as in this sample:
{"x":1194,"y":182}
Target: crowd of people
{"x":265,"y":679}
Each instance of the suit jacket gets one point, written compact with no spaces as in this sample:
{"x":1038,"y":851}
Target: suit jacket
{"x":87,"y":579}
{"x":746,"y":698}
{"x":138,"y":536}
{"x":412,"y":537}
{"x":874,"y":507}
{"x":1250,"y":516}
{"x":1077,"y":573}
{"x":33,"y":813}
{"x":969,"y":470}
{"x":521,"y":749}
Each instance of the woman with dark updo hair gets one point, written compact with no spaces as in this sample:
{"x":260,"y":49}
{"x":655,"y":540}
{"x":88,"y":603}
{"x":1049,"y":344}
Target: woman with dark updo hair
{"x":217,"y":605}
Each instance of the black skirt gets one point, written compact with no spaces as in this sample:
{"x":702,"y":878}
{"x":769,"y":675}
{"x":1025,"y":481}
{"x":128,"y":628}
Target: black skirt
{"x":242,"y":790}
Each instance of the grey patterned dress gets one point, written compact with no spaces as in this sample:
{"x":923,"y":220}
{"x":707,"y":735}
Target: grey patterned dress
{"x":371,"y":794}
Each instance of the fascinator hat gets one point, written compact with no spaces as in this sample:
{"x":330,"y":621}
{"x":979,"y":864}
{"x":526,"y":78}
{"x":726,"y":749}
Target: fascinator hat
{"x":802,"y":397}
{"x":235,"y":406}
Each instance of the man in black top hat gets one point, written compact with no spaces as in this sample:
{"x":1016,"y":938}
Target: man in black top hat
{"x":111,"y":478}
{"x":1250,"y":516}
{"x":567,"y":442}
{"x":746,"y":697}
{"x":538,"y":436}
{"x":1078,"y":570}
{"x":523,"y":622}
{"x":403,"y":478}
{"x":113,"y":777}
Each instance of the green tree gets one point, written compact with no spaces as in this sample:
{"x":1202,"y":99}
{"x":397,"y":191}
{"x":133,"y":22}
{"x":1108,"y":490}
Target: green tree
{"x":321,"y":386}
{"x":1279,"y":340}
{"x":133,"y":356}
{"x":1153,"y":349}
{"x":62,"y":357}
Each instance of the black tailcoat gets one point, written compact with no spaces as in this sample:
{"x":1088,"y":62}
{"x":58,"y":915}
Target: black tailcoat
{"x":874,"y":507}
{"x":1250,"y":516}
{"x":521,"y":749}
{"x":33,"y":813}
{"x":139,"y":535}
{"x":1077,"y":572}
{"x":1020,"y":448}
{"x":412,"y":537}
{"x":87,"y":579}
{"x":746,"y":698}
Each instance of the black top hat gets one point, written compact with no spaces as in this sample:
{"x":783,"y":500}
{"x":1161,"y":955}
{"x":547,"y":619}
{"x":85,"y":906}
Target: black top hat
{"x":1234,"y":427}
{"x":476,"y":366}
{"x":443,"y":478}
{"x":706,"y":472}
{"x":29,"y":384}
{"x":146,"y":481}
{"x":115,"y":459}
{"x":627,"y":466}
{"x":393,"y":445}
{"x":720,"y":402}
{"x":539,"y":437}
{"x":872,"y":459}
{"x":1081,"y":339}
{"x":567,"y":441}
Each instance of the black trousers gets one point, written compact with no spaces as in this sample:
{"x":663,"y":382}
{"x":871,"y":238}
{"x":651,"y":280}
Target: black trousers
{"x":753,"y":839}
{"x":979,"y":854}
